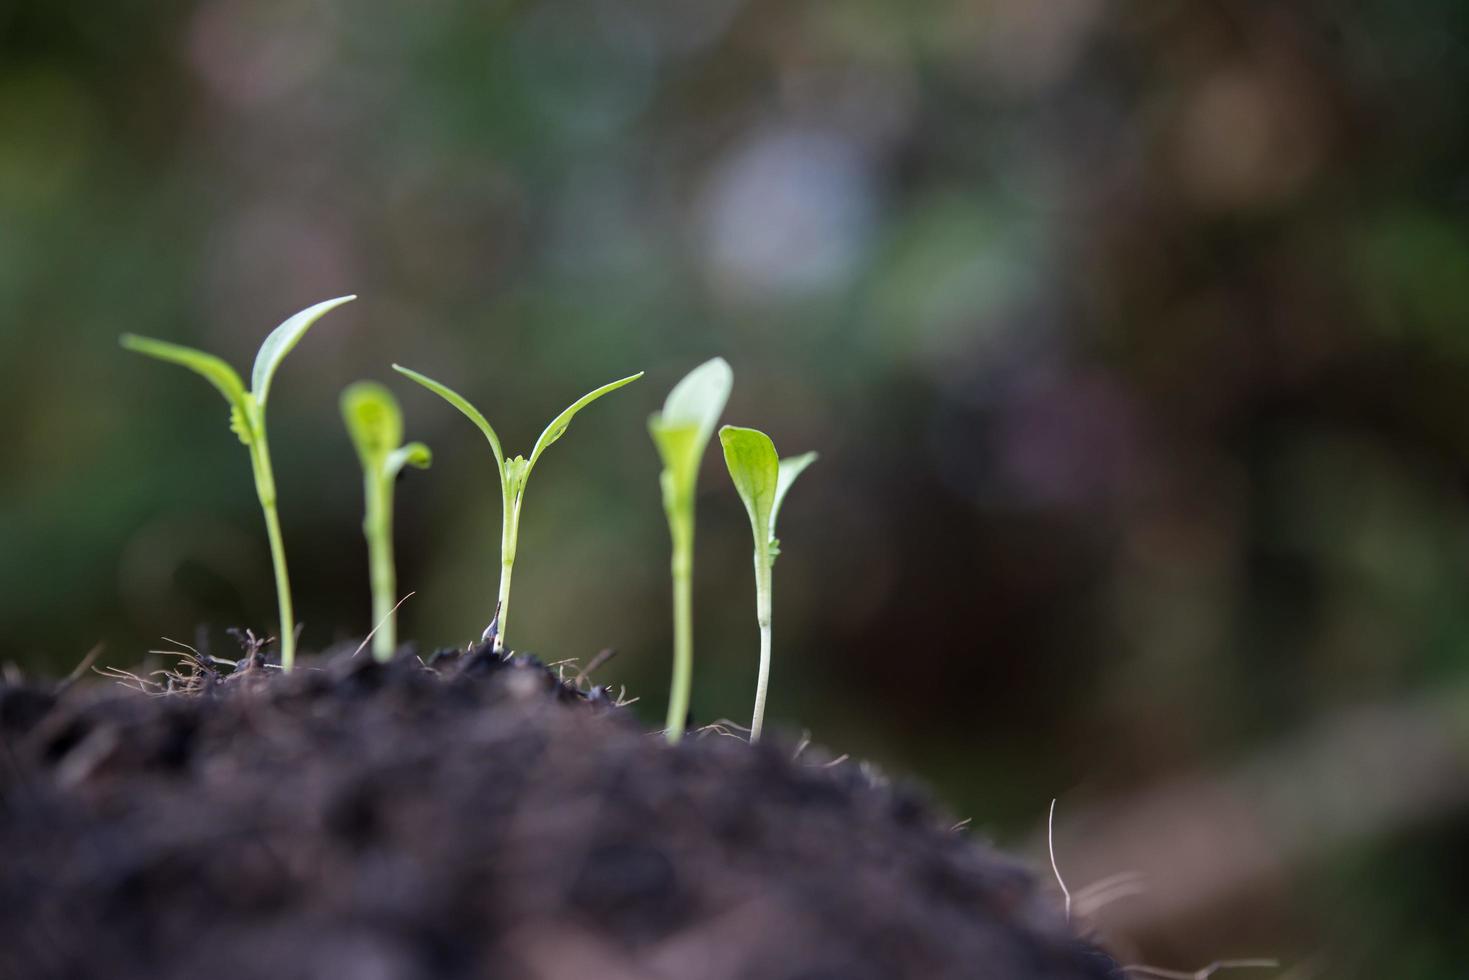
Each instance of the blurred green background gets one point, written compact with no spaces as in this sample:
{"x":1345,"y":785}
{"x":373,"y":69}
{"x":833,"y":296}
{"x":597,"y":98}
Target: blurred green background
{"x":1134,"y":337}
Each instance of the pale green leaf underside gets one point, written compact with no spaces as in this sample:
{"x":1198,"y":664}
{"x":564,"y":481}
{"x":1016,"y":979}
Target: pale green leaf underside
{"x":557,"y":428}
{"x":415,"y":454}
{"x":790,"y":468}
{"x":699,"y":398}
{"x":281,"y":341}
{"x":754,"y":468}
{"x":211,"y":368}
{"x":683,"y":428}
{"x":373,"y":420}
{"x":468,"y":410}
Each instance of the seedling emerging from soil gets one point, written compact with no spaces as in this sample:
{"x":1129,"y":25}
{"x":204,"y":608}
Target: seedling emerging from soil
{"x":375,"y":424}
{"x":247,"y":420}
{"x":513,"y":476}
{"x":762,"y":480}
{"x":681,"y":432}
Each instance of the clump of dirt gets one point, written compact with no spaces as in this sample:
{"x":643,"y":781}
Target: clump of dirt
{"x":472,"y":818}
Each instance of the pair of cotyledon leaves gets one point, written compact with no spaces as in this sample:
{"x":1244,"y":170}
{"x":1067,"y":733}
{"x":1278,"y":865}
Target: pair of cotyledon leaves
{"x":246,"y":407}
{"x":515,"y":471}
{"x":682,"y":431}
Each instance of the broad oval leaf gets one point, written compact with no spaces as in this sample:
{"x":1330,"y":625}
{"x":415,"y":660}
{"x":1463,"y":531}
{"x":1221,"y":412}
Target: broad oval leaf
{"x":682,"y":429}
{"x":790,"y":468}
{"x":374,"y":421}
{"x":558,"y":425}
{"x":415,"y":454}
{"x":469,"y":411}
{"x":699,"y":399}
{"x":755,"y":470}
{"x":209,"y":367}
{"x":281,"y":341}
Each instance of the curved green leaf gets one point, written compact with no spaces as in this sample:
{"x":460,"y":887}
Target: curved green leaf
{"x":699,"y":399}
{"x":415,"y":454}
{"x":469,"y":411}
{"x":558,"y":425}
{"x":211,"y":368}
{"x":374,"y":421}
{"x":790,"y":468}
{"x":755,"y":469}
{"x":281,"y":341}
{"x":682,"y":429}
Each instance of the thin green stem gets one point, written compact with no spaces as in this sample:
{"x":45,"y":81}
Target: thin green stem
{"x":379,"y":530}
{"x":682,"y":530}
{"x":265,"y":489}
{"x":509,"y":535}
{"x":762,"y":615}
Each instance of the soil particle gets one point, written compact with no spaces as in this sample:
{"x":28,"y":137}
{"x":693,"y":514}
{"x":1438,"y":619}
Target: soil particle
{"x":473,"y":818}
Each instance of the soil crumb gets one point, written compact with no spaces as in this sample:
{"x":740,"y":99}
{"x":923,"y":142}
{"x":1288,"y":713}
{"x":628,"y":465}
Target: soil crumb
{"x":475,"y":818}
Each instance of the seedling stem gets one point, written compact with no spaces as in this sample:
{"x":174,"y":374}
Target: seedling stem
{"x":514,"y":473}
{"x":375,"y":424}
{"x":762,"y":479}
{"x":247,"y":420}
{"x":681,"y":432}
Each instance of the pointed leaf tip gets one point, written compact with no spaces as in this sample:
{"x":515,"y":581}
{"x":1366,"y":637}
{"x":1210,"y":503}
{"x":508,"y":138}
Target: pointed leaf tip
{"x":282,"y":340}
{"x":790,"y":468}
{"x":689,"y":416}
{"x":465,"y":408}
{"x":558,"y":425}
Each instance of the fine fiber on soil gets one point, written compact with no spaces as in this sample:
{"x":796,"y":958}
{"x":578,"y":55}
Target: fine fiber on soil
{"x":473,"y":818}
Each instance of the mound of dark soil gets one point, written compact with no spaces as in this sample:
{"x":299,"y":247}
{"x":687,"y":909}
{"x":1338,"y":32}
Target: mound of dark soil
{"x":478,"y":819}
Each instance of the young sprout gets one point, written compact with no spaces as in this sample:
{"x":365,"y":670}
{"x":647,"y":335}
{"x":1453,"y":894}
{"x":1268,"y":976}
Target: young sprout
{"x":681,"y":432}
{"x":513,"y":476}
{"x":247,"y":420}
{"x":762,"y":481}
{"x":375,"y":424}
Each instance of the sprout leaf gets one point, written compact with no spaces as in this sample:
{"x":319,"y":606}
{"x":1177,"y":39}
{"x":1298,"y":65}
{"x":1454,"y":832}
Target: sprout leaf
{"x":558,"y":425}
{"x":683,"y":428}
{"x":469,"y":411}
{"x":282,"y":340}
{"x":790,"y":468}
{"x":374,"y":421}
{"x":211,"y":368}
{"x":415,"y":454}
{"x":755,"y":470}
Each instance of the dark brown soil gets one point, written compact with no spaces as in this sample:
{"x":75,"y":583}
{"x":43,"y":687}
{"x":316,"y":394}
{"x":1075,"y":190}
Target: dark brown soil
{"x":479,"y":819}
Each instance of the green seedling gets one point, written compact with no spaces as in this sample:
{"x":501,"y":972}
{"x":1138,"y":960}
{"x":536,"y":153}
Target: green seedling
{"x":247,"y":420}
{"x":681,"y":432}
{"x":513,"y":476}
{"x":375,"y":424}
{"x":762,"y":480}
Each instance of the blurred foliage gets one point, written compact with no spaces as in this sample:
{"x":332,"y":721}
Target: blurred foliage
{"x":1133,"y":336}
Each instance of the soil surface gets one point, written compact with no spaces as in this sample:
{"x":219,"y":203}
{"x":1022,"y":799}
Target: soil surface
{"x":472,"y":818}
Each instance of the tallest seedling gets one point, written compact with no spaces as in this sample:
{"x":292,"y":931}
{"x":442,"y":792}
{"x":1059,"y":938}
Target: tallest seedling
{"x":681,"y":431}
{"x":247,"y":419}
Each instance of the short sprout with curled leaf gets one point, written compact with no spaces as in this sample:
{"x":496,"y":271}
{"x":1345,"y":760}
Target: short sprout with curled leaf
{"x":514,"y":473}
{"x":375,"y":423}
{"x":247,"y":419}
{"x":762,"y":480}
